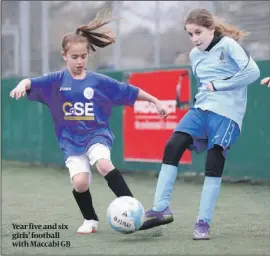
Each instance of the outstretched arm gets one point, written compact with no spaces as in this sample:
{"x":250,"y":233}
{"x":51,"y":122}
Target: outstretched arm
{"x":37,"y":88}
{"x":126,"y":94}
{"x":248,"y":70}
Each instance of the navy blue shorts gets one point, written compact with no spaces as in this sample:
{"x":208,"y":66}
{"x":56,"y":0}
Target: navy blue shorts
{"x":207,"y":129}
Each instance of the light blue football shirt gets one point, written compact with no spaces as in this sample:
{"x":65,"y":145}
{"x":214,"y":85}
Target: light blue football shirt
{"x":230,"y":68}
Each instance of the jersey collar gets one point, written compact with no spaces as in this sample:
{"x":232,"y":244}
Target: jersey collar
{"x":215,"y":40}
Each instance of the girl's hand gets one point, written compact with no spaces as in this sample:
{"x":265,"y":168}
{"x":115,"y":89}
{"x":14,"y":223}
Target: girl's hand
{"x":20,"y":90}
{"x":210,"y":87}
{"x":163,"y":112}
{"x":266,"y":81}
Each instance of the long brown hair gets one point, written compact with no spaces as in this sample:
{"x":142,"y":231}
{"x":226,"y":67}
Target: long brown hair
{"x":92,"y":34}
{"x":202,"y":17}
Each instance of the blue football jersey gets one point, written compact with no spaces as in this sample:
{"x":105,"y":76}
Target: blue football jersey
{"x":81,"y":108}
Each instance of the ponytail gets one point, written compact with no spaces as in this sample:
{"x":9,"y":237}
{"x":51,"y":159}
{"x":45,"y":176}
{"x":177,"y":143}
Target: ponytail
{"x":223,"y":29}
{"x":93,"y":34}
{"x":95,"y":38}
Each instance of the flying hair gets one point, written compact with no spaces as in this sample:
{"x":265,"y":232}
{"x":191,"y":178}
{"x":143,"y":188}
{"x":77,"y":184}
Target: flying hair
{"x":93,"y":33}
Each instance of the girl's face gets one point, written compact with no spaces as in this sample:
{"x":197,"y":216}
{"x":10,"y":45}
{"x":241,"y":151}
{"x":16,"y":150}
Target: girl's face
{"x":200,"y":36}
{"x":76,"y":58}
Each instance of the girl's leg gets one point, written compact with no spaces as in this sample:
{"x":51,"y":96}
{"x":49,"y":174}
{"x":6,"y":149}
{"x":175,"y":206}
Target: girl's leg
{"x":81,"y":177}
{"x":222,"y":134}
{"x":99,"y":156}
{"x":191,"y":125}
{"x":213,"y":172}
{"x":160,"y":214}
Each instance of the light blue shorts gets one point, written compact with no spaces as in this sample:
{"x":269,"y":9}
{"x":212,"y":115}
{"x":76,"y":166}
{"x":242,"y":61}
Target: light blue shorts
{"x":207,"y":129}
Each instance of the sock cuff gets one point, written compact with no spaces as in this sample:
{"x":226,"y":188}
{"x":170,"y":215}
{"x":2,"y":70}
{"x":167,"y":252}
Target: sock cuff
{"x":212,"y":181}
{"x":111,"y":173}
{"x":169,"y":169}
{"x":81,"y":193}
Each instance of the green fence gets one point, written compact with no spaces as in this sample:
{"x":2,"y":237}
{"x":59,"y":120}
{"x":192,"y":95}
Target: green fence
{"x":28,"y":133}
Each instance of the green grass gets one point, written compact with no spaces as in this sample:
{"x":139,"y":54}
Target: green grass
{"x":42,"y":195}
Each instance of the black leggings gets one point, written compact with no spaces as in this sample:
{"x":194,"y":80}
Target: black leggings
{"x":175,"y":147}
{"x":180,"y":141}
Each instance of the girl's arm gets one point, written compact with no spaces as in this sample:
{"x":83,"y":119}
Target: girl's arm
{"x":142,"y":95}
{"x":248,"y":69}
{"x":39,"y":88}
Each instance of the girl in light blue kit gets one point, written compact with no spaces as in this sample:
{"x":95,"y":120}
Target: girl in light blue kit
{"x":223,"y":70}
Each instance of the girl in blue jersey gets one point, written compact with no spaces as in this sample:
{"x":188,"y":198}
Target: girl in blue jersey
{"x":223,"y":70}
{"x":80,"y":103}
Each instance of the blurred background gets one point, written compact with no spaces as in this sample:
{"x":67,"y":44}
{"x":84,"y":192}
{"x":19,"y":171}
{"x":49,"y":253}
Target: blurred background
{"x":150,"y":37}
{"x":150,"y":33}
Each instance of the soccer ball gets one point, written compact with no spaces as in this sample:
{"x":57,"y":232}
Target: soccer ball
{"x":125,"y":214}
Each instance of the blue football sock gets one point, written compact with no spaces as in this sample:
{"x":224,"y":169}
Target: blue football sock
{"x":166,"y":180}
{"x":210,"y":192}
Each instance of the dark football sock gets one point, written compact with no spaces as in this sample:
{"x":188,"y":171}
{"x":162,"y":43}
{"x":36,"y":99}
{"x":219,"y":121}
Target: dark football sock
{"x":117,"y":183}
{"x":84,"y":201}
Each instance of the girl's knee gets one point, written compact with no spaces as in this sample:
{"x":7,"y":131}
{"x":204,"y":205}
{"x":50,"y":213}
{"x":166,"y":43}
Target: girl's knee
{"x":104,"y":166}
{"x":175,"y":147}
{"x":215,"y":161}
{"x":80,"y":182}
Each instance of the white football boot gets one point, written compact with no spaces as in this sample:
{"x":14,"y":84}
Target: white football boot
{"x":88,"y":226}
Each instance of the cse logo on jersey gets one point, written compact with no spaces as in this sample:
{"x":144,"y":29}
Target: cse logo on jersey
{"x":78,"y":111}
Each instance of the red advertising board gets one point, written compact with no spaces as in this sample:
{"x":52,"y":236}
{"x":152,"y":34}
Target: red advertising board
{"x":145,"y":132}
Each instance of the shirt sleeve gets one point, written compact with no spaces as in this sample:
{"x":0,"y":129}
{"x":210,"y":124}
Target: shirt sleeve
{"x":248,"y":69}
{"x":42,"y":87}
{"x":120,"y":93}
